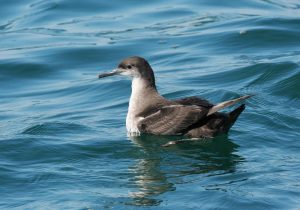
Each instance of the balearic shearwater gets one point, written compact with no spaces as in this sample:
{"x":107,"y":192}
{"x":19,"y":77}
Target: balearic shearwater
{"x":149,"y":112}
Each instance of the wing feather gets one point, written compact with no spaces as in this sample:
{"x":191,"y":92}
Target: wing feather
{"x":171,"y":120}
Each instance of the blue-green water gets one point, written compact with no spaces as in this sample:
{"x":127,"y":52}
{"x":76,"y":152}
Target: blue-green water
{"x":63,"y":142}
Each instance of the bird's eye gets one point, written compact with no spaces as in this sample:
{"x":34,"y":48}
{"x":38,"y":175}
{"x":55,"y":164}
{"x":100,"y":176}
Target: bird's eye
{"x":129,"y":67}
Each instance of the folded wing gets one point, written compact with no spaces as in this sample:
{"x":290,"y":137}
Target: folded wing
{"x":172,"y":120}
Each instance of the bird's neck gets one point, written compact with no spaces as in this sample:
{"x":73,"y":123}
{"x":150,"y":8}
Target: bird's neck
{"x":142,"y":92}
{"x":143,"y":97}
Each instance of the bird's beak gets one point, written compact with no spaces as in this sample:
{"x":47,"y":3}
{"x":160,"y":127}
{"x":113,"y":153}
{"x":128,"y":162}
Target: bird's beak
{"x":112,"y":73}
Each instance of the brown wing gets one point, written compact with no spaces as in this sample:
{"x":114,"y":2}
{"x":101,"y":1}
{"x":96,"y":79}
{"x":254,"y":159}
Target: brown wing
{"x":171,"y":120}
{"x":194,"y":101}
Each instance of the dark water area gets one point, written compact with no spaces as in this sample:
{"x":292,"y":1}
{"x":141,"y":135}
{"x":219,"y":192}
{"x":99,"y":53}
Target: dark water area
{"x":63,"y":141}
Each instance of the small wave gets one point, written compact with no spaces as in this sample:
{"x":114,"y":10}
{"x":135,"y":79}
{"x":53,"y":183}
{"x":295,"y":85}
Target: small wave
{"x":276,"y":78}
{"x":17,"y":69}
{"x":54,"y":128}
{"x":288,"y":87}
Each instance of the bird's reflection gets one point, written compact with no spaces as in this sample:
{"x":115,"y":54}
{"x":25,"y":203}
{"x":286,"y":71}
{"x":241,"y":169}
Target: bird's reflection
{"x":160,"y":169}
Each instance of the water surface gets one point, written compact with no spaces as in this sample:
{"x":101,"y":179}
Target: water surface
{"x":63,"y":142}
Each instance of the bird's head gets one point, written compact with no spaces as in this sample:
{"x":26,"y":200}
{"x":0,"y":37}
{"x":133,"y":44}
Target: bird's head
{"x":135,"y":67}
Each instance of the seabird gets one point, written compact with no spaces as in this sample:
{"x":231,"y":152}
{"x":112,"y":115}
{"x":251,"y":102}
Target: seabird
{"x":151,"y":113}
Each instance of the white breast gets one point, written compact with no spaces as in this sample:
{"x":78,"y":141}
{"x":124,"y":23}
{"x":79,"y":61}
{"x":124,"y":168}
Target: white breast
{"x":135,"y":100}
{"x":131,"y":124}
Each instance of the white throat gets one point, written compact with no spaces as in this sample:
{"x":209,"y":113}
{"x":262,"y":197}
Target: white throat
{"x":137,"y":89}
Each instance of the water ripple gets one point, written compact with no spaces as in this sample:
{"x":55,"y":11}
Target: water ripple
{"x":63,"y":132}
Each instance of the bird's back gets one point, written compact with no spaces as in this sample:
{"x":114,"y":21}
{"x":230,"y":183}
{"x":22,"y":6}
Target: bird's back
{"x":212,"y":125}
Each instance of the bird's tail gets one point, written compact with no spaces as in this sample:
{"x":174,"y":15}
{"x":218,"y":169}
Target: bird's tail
{"x":225,"y":104}
{"x":234,"y":115}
